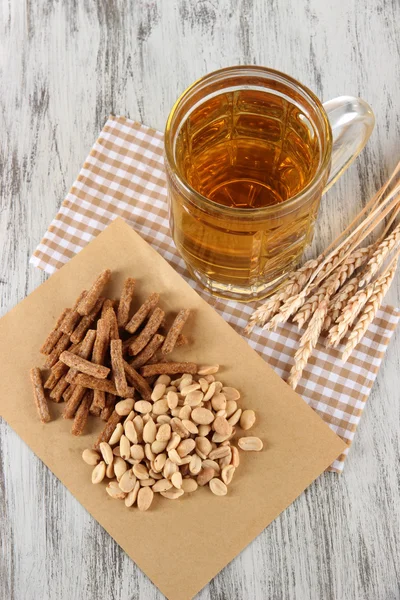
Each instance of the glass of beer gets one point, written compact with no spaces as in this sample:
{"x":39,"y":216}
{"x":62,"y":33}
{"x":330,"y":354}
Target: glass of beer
{"x":249,"y":152}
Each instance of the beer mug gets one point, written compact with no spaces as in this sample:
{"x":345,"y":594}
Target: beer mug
{"x":249,"y":152}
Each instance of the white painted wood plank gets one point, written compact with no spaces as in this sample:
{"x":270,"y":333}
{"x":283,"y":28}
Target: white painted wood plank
{"x":63,"y":68}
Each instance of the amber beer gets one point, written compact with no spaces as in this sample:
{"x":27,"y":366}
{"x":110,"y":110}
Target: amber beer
{"x":247,"y":157}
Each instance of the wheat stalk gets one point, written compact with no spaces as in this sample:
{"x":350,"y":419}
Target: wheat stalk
{"x":348,"y":315}
{"x":354,"y":239}
{"x":307,"y":343}
{"x":328,"y":264}
{"x":332,"y":284}
{"x":295,"y":282}
{"x":325,"y":291}
{"x":338,"y":301}
{"x":288,"y":308}
{"x":370,"y":205}
{"x":380,"y":287}
{"x":378,"y":257}
{"x":353,"y":308}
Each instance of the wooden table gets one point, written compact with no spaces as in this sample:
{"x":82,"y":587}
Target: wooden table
{"x":64,"y":67}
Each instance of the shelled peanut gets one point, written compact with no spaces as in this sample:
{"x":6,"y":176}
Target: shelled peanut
{"x":176,"y":441}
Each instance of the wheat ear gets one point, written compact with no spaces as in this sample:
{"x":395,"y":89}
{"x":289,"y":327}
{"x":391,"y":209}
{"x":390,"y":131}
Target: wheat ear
{"x":338,"y":302}
{"x":326,"y":266}
{"x":348,"y":315}
{"x":381,"y":286}
{"x":288,"y":308}
{"x":332,"y":284}
{"x":294,"y":284}
{"x":307,"y":343}
{"x":355,"y":238}
{"x":378,"y":257}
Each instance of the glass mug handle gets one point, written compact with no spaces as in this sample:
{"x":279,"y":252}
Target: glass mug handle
{"x":352,"y":122}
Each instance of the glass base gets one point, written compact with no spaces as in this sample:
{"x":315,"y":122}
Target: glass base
{"x":237,"y":292}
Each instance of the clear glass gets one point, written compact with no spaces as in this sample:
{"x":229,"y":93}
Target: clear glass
{"x":249,"y":152}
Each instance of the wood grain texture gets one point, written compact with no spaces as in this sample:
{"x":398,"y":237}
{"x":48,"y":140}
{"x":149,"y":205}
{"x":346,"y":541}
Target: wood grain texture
{"x":64,"y":66}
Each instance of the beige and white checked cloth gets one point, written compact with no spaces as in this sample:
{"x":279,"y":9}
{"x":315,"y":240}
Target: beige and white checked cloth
{"x":124,"y":176}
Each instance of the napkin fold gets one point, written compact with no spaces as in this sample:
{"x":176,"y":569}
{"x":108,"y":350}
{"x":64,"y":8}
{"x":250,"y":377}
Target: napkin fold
{"x":124,"y":176}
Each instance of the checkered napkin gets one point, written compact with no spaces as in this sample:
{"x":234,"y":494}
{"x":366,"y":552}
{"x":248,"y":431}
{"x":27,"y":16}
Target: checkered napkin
{"x":124,"y":176}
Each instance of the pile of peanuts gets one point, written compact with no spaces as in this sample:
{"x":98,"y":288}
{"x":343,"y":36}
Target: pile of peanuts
{"x":180,"y":439}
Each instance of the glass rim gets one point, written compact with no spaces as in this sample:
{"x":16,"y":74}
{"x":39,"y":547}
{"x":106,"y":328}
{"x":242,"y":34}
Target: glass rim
{"x":204,"y":202}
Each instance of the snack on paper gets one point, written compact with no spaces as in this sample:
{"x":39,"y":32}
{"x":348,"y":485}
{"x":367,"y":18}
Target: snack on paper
{"x":86,"y":322}
{"x":175,"y":330}
{"x":59,"y":389}
{"x":88,"y":302}
{"x":93,"y":383}
{"x":89,"y":352}
{"x":148,"y":332}
{"x":125,"y":301}
{"x":54,"y":355}
{"x":117,"y":363}
{"x":84,"y":366}
{"x":168,"y":368}
{"x":148,"y":352}
{"x":139,"y":317}
{"x":180,"y":440}
{"x":39,"y":395}
{"x":105,"y":435}
{"x":81,"y":415}
{"x":137,"y":381}
{"x":111,"y":319}
{"x":72,"y":318}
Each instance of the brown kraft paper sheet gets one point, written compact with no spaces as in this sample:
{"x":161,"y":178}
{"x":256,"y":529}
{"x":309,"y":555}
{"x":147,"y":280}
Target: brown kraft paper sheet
{"x":165,"y":541}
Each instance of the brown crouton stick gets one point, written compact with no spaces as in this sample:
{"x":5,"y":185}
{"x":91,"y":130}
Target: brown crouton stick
{"x":59,"y":389}
{"x":74,"y":402}
{"x":175,"y":330}
{"x":181,"y":341}
{"x":84,"y":366}
{"x":142,"y":313}
{"x":111,"y":319}
{"x":99,"y":399}
{"x":99,"y":352}
{"x":50,"y":341}
{"x":86,"y":345}
{"x":137,"y":381}
{"x":61,"y":318}
{"x":38,"y":395}
{"x":87,"y":303}
{"x":149,"y":351}
{"x":94,"y":410}
{"x":71,"y":320}
{"x":82,"y":414}
{"x":169,"y":368}
{"x":83,"y":351}
{"x":85,"y":323}
{"x":60,"y":369}
{"x":128,"y":342}
{"x":71,"y":376}
{"x":54,"y":355}
{"x":109,"y":407}
{"x":107,"y":304}
{"x":101,"y":342}
{"x":95,"y":384}
{"x":68,"y":393}
{"x":150,"y":329}
{"x":105,"y":435}
{"x":51,"y":381}
{"x":117,"y":364}
{"x":126,"y":301}
{"x":54,"y":334}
